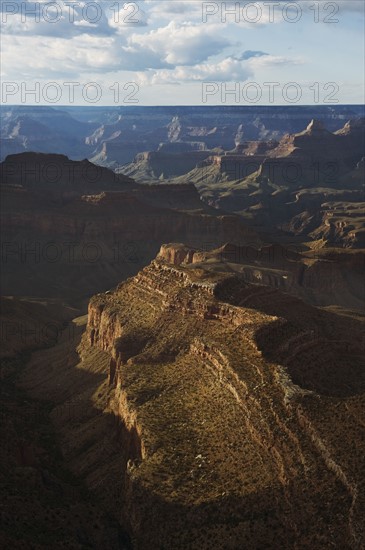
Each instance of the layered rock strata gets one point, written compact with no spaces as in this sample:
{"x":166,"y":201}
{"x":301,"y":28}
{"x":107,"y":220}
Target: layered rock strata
{"x":238,"y":406}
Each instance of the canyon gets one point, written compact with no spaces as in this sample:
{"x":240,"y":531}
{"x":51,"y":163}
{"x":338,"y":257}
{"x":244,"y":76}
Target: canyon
{"x":308,"y":184}
{"x":182,"y":328}
{"x":114,"y":135}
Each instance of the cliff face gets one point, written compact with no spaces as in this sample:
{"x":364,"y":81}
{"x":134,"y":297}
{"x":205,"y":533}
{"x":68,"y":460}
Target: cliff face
{"x":73,"y":245}
{"x":321,"y":279}
{"x":226,"y":394}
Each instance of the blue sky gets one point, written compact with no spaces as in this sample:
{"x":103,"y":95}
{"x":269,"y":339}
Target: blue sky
{"x":154,"y":52}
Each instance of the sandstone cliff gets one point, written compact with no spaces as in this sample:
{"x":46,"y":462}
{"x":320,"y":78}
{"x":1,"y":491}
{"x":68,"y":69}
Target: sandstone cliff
{"x":238,"y":405}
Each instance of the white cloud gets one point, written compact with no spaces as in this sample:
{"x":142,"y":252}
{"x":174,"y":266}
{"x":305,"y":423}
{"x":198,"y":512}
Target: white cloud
{"x":272,"y":61}
{"x":56,"y":56}
{"x":227,"y":70}
{"x":73,"y":57}
{"x":182,"y":44}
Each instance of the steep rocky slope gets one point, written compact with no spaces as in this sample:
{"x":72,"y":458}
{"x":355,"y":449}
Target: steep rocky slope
{"x":314,"y":155}
{"x":317,"y":154}
{"x":236,"y":406}
{"x":226,"y":418}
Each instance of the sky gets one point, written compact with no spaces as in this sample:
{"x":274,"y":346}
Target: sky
{"x":173,"y":52}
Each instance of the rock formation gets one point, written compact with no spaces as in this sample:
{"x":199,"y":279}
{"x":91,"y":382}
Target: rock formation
{"x":227,"y":393}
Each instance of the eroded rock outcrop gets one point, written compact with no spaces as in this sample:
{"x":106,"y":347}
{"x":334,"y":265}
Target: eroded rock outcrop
{"x":226,"y":392}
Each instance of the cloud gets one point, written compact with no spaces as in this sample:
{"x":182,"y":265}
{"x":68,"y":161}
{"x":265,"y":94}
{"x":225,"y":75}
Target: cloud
{"x":72,"y":49}
{"x":343,"y":5}
{"x":182,"y":44}
{"x":73,"y":57}
{"x":266,"y":61}
{"x":52,"y":57}
{"x":226,"y":70}
{"x":251,"y":53}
